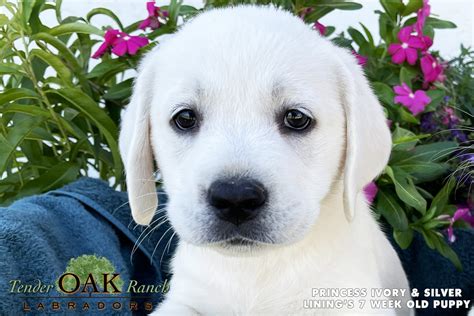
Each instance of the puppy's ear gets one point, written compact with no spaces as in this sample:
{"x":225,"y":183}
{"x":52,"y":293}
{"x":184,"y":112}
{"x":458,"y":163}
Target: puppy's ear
{"x":136,"y":151}
{"x":368,"y":139}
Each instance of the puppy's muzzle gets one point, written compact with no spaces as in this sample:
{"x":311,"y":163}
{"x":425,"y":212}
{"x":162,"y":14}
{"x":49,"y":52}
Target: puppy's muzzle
{"x":237,"y":200}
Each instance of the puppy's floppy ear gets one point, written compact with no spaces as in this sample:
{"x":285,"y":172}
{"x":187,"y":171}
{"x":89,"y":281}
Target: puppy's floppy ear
{"x":368,"y":139}
{"x":136,"y":151}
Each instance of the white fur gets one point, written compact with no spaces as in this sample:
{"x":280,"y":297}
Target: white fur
{"x":238,"y":67}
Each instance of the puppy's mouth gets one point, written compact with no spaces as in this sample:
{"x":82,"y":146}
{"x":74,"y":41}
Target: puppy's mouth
{"x":239,"y":242}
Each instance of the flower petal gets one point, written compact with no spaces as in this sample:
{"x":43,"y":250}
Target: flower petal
{"x":150,"y":7}
{"x":145,"y":23}
{"x":416,"y":42}
{"x":405,"y":100}
{"x":101,"y":50}
{"x":405,"y":33}
{"x":393,"y":48}
{"x":370,"y":192}
{"x":412,"y":55}
{"x":120,"y":48}
{"x":402,"y":90}
{"x":399,"y":57}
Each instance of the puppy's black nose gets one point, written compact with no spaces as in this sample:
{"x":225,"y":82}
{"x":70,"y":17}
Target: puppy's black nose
{"x":236,"y":200}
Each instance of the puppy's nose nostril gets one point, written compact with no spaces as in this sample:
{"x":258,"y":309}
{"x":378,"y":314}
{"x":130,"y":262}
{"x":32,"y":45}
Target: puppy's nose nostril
{"x":236,"y":200}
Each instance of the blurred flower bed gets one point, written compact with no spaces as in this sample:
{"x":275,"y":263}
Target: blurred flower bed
{"x":60,"y":110}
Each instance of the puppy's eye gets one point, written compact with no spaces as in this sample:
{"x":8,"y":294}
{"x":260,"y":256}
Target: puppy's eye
{"x":185,"y":119}
{"x":297,"y":120}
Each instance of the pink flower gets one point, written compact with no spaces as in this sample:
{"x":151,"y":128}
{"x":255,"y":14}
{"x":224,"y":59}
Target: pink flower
{"x":154,"y":16}
{"x":422,"y":15}
{"x":128,"y":44}
{"x":431,"y":68}
{"x":361,"y":60}
{"x":109,"y":39}
{"x":461,"y":213}
{"x":407,"y":49}
{"x":120,"y":43}
{"x":415,"y":102}
{"x":449,"y":117}
{"x":427,"y":42}
{"x":370,"y":192}
{"x":320,"y":27}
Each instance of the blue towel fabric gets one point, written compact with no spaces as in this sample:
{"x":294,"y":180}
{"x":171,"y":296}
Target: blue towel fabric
{"x":40,"y":234}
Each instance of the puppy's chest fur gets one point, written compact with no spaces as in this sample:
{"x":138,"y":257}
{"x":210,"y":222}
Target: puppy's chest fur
{"x":207,"y":282}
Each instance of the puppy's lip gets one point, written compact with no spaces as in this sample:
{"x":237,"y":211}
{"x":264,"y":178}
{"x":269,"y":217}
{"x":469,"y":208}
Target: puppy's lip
{"x":239,"y":241}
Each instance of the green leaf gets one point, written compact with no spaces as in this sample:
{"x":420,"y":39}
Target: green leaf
{"x":384,"y":93}
{"x":404,"y":139}
{"x":340,"y":5}
{"x":428,"y":153}
{"x":412,"y":6}
{"x":3,"y":20}
{"x":436,"y":97}
{"x":105,"y":68}
{"x":440,"y":24}
{"x":392,"y":7}
{"x":15,"y":136}
{"x":436,"y":241}
{"x":441,"y":199}
{"x":54,"y":61}
{"x":64,"y":51}
{"x":106,"y":12}
{"x":407,"y":75}
{"x":26,"y":9}
{"x":357,"y":37}
{"x":403,"y":237}
{"x":75,"y":27}
{"x":406,"y":116}
{"x":368,"y":35}
{"x":17,"y":94}
{"x":120,"y":91}
{"x":10,"y":69}
{"x":89,"y":108}
{"x":388,"y":206}
{"x":56,"y":177}
{"x":406,"y":189}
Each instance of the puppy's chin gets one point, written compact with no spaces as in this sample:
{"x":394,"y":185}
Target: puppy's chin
{"x":240,"y":247}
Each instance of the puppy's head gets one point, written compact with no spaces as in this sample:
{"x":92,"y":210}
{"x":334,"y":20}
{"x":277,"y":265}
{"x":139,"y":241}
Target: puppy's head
{"x":251,"y":117}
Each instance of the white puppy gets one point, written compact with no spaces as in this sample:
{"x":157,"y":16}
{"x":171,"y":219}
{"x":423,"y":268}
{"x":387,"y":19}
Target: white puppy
{"x":265,"y":134}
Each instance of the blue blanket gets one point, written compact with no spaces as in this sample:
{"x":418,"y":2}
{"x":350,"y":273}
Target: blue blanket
{"x":40,"y":235}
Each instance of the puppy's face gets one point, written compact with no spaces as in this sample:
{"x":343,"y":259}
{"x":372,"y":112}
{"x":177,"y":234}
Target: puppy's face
{"x":246,"y":124}
{"x":248,"y":136}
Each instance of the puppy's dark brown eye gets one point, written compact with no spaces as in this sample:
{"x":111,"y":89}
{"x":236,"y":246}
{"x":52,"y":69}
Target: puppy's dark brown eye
{"x":296,"y":120}
{"x":185,"y":119}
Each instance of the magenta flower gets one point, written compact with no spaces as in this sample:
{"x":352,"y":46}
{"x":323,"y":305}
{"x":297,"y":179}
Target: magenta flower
{"x":120,"y":43}
{"x":461,"y":213}
{"x":109,"y":39}
{"x":449,"y":118}
{"x":128,"y":44}
{"x":414,"y":101}
{"x":427,"y":42}
{"x":422,"y":15}
{"x":408,"y":47}
{"x":431,"y":68}
{"x":370,"y":192}
{"x":155,"y":18}
{"x":320,"y":27}
{"x":361,"y":60}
